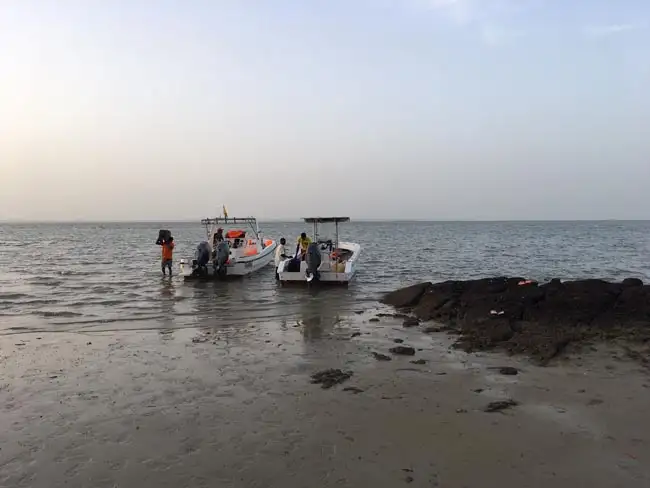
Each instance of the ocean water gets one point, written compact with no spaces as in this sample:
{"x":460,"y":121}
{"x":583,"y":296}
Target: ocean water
{"x":102,"y":277}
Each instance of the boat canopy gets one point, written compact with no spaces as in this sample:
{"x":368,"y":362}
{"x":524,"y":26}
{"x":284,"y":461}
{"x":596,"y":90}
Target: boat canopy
{"x":322,"y":220}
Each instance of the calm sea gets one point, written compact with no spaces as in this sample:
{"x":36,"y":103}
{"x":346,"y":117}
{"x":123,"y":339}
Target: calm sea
{"x":90,"y":277}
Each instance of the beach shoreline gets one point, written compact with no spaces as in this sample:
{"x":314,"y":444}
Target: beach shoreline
{"x":236,"y":407}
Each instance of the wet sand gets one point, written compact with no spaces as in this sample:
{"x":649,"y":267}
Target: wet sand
{"x":235,"y":407}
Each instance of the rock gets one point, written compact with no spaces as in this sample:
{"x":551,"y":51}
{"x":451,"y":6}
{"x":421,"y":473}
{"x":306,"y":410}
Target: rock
{"x":594,"y":401}
{"x":419,"y":361}
{"x":631,"y":282}
{"x":574,"y":303}
{"x":353,"y":389}
{"x":403,"y":350}
{"x":537,"y":320}
{"x":374,"y":319}
{"x":406,"y":297}
{"x":355,"y":334}
{"x":439,"y":300}
{"x":631,"y":311}
{"x":500,"y":405}
{"x":507,"y":370}
{"x":330,"y":377}
{"x":433,"y":329}
{"x":411,"y":322}
{"x":381,"y":357}
{"x":398,"y":341}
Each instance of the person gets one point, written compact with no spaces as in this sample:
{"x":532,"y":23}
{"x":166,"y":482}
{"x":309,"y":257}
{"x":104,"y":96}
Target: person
{"x":167,"y":254}
{"x":303,"y":244}
{"x":216,"y":239}
{"x":280,"y":254}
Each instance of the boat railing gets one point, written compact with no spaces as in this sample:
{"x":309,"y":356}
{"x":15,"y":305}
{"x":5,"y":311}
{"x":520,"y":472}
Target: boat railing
{"x":250,"y":221}
{"x":229,"y":220}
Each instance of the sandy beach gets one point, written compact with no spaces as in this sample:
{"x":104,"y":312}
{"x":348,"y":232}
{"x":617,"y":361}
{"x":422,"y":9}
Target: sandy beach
{"x":236,"y":407}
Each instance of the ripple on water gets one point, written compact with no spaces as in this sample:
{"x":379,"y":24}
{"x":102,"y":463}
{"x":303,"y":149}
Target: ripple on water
{"x":95,"y":301}
{"x":43,"y":280}
{"x":11,"y":297}
{"x":57,"y":313}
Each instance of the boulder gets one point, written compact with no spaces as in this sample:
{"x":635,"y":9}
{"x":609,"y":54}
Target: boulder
{"x":411,"y":322}
{"x":573,"y":303}
{"x":406,"y":297}
{"x":440,"y":296}
{"x":631,"y":282}
{"x":403,"y":350}
{"x":631,"y":310}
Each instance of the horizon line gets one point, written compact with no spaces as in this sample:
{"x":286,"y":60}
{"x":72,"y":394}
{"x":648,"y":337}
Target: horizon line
{"x":300,"y":220}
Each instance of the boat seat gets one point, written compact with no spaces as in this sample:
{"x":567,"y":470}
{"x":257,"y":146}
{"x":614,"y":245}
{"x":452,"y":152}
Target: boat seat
{"x":250,"y":251}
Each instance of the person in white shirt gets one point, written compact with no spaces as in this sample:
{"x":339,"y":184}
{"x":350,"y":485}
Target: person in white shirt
{"x":280,"y":255}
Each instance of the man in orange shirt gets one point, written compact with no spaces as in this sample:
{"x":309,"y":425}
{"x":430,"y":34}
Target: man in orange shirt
{"x":167,"y":254}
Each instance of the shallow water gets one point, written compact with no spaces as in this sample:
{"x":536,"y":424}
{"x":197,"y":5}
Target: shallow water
{"x":106,"y":276}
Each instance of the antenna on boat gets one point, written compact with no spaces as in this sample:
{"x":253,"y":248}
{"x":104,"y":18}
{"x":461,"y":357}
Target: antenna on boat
{"x":336,"y":234}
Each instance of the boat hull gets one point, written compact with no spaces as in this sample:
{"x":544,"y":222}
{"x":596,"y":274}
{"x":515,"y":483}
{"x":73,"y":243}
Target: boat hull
{"x":326,"y":275}
{"x":242,"y":266}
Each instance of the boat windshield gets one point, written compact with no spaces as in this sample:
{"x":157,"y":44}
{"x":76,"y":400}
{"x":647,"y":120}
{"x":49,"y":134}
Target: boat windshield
{"x":326,"y":235}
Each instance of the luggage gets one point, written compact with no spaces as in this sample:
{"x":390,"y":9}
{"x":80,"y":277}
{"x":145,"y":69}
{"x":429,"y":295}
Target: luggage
{"x":163,"y":235}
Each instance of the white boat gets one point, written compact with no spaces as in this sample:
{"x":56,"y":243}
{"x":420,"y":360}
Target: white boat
{"x":336,"y":264}
{"x":247,"y":250}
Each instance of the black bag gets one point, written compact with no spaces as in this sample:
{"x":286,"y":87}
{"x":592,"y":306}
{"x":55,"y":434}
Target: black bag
{"x":163,"y":236}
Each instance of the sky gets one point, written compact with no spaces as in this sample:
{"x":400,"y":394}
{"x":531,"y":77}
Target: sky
{"x":380,"y":109}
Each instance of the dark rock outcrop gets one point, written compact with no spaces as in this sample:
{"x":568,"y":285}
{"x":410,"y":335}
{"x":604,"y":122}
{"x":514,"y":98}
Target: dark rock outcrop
{"x":522,"y":316}
{"x":631,"y":282}
{"x":406,"y":297}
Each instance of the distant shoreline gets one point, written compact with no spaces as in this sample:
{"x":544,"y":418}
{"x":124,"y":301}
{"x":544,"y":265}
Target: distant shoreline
{"x":298,"y":220}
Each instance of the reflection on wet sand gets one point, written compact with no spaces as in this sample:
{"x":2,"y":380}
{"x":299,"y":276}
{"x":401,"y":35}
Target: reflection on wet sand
{"x":238,"y":410}
{"x":167,"y":306}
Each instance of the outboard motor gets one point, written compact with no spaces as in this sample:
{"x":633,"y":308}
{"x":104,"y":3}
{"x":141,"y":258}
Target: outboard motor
{"x":203,"y":253}
{"x":202,"y":258}
{"x":222,"y":254}
{"x":313,"y":259}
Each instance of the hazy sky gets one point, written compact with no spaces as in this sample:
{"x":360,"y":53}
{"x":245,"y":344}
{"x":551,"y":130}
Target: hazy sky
{"x":469,"y":109}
